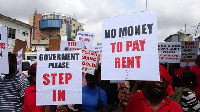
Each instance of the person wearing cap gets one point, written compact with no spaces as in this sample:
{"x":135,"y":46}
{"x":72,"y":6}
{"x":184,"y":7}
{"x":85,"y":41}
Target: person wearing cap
{"x":30,"y":93}
{"x":151,"y":99}
{"x":12,"y":88}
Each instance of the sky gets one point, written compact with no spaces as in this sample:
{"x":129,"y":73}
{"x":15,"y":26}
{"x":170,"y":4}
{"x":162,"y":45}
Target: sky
{"x":172,"y":15}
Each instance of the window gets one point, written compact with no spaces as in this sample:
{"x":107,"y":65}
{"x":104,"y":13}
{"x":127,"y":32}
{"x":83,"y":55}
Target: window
{"x":26,"y":34}
{"x":50,"y":36}
{"x":33,"y":37}
{"x":33,"y":23}
{"x":33,"y":31}
{"x":33,"y":18}
{"x":73,"y":24}
{"x":11,"y":33}
{"x":42,"y":37}
{"x":73,"y":37}
{"x":58,"y":36}
{"x":73,"y":31}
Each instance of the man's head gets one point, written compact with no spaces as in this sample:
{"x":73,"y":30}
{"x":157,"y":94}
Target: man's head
{"x":189,"y":79}
{"x":32,"y":72}
{"x":12,"y":63}
{"x":158,"y":88}
{"x":90,"y":79}
{"x":198,"y":60}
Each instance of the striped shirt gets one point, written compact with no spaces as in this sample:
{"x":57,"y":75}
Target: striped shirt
{"x":12,"y":89}
{"x":189,"y":100}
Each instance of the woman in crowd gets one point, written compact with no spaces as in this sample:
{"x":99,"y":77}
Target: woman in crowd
{"x":94,"y":99}
{"x":30,"y":93}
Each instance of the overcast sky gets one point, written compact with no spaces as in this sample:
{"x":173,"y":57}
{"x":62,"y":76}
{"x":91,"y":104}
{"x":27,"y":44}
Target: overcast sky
{"x":172,"y":14}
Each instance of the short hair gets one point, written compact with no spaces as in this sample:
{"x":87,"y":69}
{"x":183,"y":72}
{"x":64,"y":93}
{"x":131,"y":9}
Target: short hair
{"x":12,"y":57}
{"x":188,"y":77}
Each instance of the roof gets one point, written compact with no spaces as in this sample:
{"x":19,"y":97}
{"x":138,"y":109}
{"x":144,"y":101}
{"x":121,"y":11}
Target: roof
{"x":16,"y":21}
{"x":175,"y":35}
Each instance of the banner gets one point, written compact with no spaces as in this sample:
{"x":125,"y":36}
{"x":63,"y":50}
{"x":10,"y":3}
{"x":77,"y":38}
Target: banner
{"x":71,"y":45}
{"x":59,"y":78}
{"x":86,"y":37}
{"x":189,"y":49}
{"x":3,"y":51}
{"x":19,"y":61}
{"x":130,"y":48}
{"x":89,"y":60}
{"x":169,"y":52}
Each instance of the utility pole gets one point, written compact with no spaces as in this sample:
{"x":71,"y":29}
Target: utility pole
{"x":146,"y":5}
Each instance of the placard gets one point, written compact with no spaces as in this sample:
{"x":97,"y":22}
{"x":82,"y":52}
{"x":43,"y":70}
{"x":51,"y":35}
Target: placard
{"x":169,"y":52}
{"x":3,"y":51}
{"x":86,"y":37}
{"x":19,"y":61}
{"x":89,"y":60}
{"x":189,"y":49}
{"x":71,"y":45}
{"x":59,"y":78}
{"x":130,"y":48}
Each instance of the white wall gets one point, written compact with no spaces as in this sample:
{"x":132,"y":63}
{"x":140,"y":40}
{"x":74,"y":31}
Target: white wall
{"x":39,"y":47}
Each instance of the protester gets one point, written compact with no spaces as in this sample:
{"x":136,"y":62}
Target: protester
{"x":176,"y":81}
{"x":30,"y":93}
{"x":189,"y":101}
{"x":196,"y":70}
{"x":94,"y":99}
{"x":150,"y":99}
{"x":12,"y":88}
{"x":179,"y":70}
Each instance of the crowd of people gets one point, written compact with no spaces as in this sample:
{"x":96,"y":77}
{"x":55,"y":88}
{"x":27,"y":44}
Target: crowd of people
{"x":177,"y":91}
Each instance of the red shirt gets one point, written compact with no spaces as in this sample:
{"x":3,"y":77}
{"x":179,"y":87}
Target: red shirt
{"x":30,"y":100}
{"x":138,"y":103}
{"x":196,"y":70}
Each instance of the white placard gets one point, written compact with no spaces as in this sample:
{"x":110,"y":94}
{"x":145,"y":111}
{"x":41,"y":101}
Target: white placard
{"x":74,"y":45}
{"x":86,"y":37}
{"x":130,"y":48}
{"x":19,"y":61}
{"x":169,"y":52}
{"x":189,"y":49}
{"x":59,"y":78}
{"x":3,"y":51}
{"x":89,"y":60}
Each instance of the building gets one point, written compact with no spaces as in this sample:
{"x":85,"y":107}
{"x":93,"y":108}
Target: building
{"x":16,"y":30}
{"x":53,"y":25}
{"x":179,"y":37}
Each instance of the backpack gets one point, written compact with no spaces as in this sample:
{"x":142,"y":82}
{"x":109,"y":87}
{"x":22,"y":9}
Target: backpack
{"x":176,"y":97}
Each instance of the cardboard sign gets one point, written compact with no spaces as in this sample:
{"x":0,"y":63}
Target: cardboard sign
{"x":130,"y":48}
{"x":3,"y":51}
{"x":73,"y":45}
{"x":98,"y":49}
{"x":59,"y":78}
{"x":86,"y":37}
{"x":89,"y":61}
{"x":19,"y":61}
{"x":189,"y":49}
{"x":169,"y":52}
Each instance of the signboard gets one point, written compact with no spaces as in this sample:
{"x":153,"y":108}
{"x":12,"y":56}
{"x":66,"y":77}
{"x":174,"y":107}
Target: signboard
{"x":59,"y":78}
{"x":19,"y":61}
{"x":3,"y":51}
{"x":86,"y":37}
{"x":169,"y":52}
{"x":130,"y":48}
{"x":89,"y":60}
{"x":74,"y":45}
{"x":189,"y":49}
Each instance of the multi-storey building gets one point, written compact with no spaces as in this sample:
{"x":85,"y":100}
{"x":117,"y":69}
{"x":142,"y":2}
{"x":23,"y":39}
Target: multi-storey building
{"x":54,"y":25}
{"x":16,"y":30}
